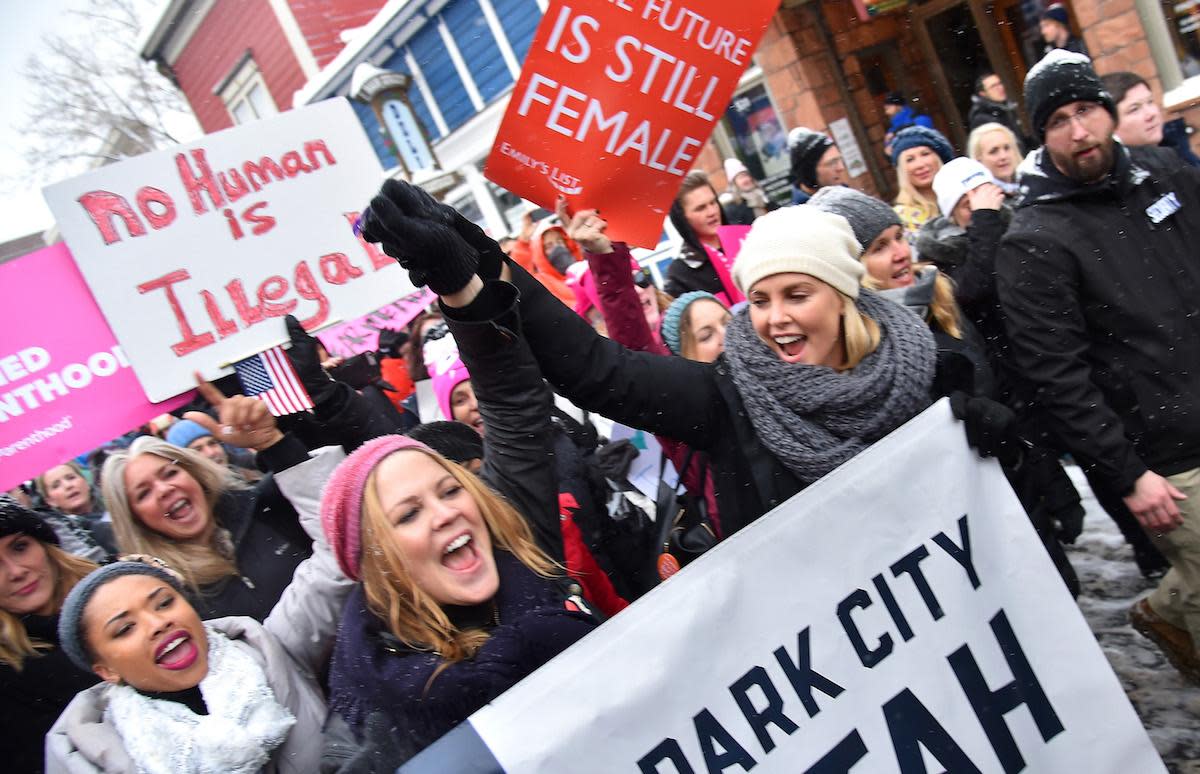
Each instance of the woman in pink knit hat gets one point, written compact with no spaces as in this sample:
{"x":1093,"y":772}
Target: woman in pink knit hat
{"x":456,"y":602}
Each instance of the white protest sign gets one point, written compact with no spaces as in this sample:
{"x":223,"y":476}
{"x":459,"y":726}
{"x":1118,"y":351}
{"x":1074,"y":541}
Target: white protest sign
{"x":898,"y":615}
{"x":190,"y":252}
{"x":847,"y":143}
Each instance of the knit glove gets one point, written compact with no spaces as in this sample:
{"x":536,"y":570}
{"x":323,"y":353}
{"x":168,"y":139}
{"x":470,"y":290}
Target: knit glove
{"x":421,"y":234}
{"x":383,"y":749}
{"x":303,"y":354}
{"x":990,"y":426}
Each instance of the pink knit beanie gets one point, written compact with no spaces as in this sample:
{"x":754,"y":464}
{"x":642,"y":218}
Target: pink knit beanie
{"x":445,"y":378}
{"x":341,"y":502}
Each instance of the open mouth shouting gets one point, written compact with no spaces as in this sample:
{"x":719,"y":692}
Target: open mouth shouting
{"x":177,"y":651}
{"x":460,"y":555}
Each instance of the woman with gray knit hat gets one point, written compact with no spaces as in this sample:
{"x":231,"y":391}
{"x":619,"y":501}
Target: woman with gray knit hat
{"x":815,"y":368}
{"x":36,"y":678}
{"x":179,"y":694}
{"x":890,"y":271}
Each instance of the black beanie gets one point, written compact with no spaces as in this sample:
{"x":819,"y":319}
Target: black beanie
{"x":807,"y":147}
{"x":1060,"y":78}
{"x":17,"y":519}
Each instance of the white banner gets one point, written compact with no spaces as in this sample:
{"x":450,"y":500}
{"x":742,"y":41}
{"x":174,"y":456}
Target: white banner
{"x":899,"y":615}
{"x":190,"y":252}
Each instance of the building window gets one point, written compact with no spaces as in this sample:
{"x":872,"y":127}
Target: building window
{"x":752,"y":131}
{"x":1183,"y":19}
{"x":245,"y":93}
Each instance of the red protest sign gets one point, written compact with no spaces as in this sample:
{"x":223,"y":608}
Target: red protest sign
{"x":616,"y":99}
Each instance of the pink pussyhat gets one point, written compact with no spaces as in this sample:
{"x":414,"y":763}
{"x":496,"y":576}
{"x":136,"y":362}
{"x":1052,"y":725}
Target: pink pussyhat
{"x":341,"y":502}
{"x":445,"y":378}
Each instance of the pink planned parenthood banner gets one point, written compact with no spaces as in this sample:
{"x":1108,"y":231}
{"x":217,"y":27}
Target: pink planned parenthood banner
{"x":65,"y":384}
{"x":362,"y":335}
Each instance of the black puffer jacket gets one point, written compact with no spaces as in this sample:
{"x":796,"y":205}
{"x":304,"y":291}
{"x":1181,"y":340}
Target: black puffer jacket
{"x":32,"y":699}
{"x":1103,"y":310}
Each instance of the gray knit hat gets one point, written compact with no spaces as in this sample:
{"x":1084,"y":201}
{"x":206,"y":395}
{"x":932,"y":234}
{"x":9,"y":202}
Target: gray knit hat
{"x":867,"y":215}
{"x":804,"y":240}
{"x":70,"y":620}
{"x":806,"y":148}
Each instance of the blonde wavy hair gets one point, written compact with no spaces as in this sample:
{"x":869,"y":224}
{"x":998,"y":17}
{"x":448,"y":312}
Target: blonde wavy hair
{"x":859,"y":332}
{"x":910,"y":196}
{"x":408,"y":611}
{"x":15,"y":643}
{"x":942,"y":307}
{"x":200,"y":563}
{"x":976,"y":139}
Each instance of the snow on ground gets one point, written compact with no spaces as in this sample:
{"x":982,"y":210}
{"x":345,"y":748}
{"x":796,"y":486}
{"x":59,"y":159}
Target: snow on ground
{"x":1168,"y":705}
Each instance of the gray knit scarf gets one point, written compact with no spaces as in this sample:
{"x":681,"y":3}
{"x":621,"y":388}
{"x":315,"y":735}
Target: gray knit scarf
{"x":813,"y":418}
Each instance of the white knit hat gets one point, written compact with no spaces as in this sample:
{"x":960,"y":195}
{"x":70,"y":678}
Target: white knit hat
{"x":733,"y":168}
{"x":955,"y":179}
{"x":804,"y":240}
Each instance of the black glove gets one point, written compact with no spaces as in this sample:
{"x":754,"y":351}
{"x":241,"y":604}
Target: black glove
{"x":307,"y":362}
{"x":990,"y":426}
{"x":384,"y":748}
{"x":422,"y":235}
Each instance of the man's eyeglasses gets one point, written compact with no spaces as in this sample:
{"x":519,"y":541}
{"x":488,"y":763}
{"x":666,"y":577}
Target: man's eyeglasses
{"x":1060,"y":122}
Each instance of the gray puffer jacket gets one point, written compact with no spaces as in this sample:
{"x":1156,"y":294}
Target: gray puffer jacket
{"x":292,"y":647}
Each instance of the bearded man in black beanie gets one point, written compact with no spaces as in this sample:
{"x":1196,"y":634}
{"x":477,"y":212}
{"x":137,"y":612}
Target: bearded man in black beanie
{"x":816,"y":163}
{"x":1100,"y":288}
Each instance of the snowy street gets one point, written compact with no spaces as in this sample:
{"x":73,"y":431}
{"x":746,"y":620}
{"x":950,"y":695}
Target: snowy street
{"x":1168,"y":705}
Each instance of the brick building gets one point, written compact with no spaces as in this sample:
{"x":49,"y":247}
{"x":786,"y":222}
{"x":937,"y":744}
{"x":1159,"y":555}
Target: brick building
{"x":821,"y":64}
{"x":824,"y":64}
{"x":237,"y":60}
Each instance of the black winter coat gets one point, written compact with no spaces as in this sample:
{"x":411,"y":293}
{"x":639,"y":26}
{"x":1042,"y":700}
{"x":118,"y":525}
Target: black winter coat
{"x":692,"y":270}
{"x":268,"y":545}
{"x":518,"y":461}
{"x":33,"y":698}
{"x":269,"y":542}
{"x":969,"y":258}
{"x":694,"y":403}
{"x":988,"y":111}
{"x":1103,"y":311}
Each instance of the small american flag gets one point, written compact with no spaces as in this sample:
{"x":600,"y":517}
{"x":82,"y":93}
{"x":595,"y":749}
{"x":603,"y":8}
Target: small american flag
{"x":269,"y":376}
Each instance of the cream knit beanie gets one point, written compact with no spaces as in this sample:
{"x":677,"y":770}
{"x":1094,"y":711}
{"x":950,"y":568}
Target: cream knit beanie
{"x":804,"y":240}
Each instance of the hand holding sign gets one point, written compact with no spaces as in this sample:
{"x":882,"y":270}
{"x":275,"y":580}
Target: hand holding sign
{"x":586,"y":227}
{"x":420,"y":233}
{"x":242,"y":421}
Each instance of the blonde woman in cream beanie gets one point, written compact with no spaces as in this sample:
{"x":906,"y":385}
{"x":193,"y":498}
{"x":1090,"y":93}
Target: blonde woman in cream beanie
{"x":815,"y":369}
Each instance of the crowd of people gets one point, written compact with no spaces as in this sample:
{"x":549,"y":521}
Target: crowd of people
{"x":337,"y":589}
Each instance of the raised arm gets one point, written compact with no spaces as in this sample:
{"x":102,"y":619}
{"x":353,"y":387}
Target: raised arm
{"x":664,"y":395}
{"x":514,"y":402}
{"x":609,"y":264}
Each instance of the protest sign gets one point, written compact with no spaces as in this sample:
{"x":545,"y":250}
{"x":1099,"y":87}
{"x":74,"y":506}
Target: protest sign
{"x":898,"y":614}
{"x":362,"y":335}
{"x":190,"y":252}
{"x":616,"y":100}
{"x":65,"y":384}
{"x":731,"y":242}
